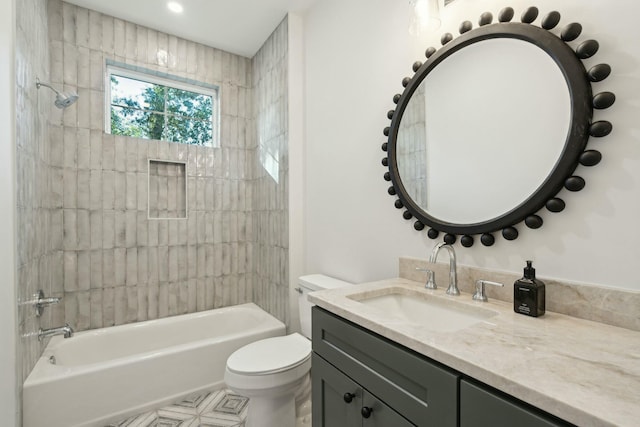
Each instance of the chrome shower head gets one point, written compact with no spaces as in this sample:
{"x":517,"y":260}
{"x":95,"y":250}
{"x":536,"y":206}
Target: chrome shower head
{"x":63,"y":99}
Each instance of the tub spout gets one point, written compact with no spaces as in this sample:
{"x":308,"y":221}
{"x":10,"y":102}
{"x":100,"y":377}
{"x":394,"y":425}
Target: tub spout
{"x":65,"y":330}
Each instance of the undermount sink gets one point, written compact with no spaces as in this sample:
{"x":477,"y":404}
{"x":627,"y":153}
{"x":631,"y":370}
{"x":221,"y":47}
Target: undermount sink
{"x":430,"y":312}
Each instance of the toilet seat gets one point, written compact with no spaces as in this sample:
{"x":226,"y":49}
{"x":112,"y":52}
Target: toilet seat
{"x":270,"y":356}
{"x":275,"y":372}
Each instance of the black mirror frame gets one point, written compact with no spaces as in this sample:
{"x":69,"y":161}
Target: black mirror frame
{"x":574,"y":152}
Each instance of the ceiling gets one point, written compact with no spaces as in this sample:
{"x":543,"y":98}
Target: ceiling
{"x":237,"y":26}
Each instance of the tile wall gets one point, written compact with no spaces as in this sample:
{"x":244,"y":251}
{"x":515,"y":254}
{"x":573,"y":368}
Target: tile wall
{"x":167,"y":190}
{"x":117,"y":266}
{"x":84,"y":232}
{"x":36,"y":216}
{"x":271,"y":175}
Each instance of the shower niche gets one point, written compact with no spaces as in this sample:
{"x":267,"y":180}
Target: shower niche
{"x":167,"y":190}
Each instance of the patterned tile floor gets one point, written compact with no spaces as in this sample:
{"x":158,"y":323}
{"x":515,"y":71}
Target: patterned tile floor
{"x":220,"y":408}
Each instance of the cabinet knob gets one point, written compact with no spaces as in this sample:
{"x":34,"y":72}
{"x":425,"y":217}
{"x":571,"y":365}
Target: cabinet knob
{"x":348,"y":397}
{"x":366,"y":412}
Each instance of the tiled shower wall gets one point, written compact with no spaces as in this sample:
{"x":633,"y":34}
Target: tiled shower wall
{"x":270,"y":194}
{"x":36,"y":216}
{"x":167,"y":190}
{"x":116,"y":265}
{"x":84,"y":232}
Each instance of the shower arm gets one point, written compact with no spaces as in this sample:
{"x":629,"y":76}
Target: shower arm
{"x":39,"y":84}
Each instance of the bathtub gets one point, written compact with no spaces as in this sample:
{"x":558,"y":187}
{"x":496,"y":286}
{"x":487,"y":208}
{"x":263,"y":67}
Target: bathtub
{"x":105,"y":375}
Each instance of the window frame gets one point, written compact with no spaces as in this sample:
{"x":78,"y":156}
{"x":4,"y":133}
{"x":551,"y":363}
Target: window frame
{"x":167,"y":80}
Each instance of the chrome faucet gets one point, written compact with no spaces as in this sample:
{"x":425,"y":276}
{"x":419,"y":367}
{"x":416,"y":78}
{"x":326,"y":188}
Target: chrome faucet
{"x":431,"y":278}
{"x":39,"y":302}
{"x":480,"y":295}
{"x":65,"y":330}
{"x":453,"y":276}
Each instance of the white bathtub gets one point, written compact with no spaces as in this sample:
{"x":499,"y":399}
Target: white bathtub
{"x":105,"y":375}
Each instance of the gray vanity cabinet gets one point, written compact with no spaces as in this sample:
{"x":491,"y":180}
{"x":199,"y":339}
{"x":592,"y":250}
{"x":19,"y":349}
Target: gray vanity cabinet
{"x":343,"y":401}
{"x":481,"y":407}
{"x":341,"y":397}
{"x":362,"y":379}
{"x":399,"y":386}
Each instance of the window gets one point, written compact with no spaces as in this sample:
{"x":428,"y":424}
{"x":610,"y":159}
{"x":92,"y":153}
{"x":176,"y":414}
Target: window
{"x":159,"y":106}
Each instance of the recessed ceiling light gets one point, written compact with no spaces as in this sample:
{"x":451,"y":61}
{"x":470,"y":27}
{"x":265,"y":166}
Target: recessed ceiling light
{"x":175,"y":7}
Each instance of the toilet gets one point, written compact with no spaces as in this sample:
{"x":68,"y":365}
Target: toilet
{"x":274,"y":372}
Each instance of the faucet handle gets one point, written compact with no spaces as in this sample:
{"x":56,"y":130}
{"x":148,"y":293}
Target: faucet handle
{"x":40,"y":302}
{"x":431,"y":278}
{"x":480,"y":295}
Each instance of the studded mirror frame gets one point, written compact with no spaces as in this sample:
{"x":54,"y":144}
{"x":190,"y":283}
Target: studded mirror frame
{"x":575,"y":151}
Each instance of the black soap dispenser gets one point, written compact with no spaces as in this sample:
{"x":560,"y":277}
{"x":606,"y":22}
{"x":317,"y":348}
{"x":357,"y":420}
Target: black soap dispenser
{"x":529,"y":294}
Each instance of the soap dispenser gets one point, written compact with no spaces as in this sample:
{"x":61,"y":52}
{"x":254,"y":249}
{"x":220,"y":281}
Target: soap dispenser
{"x":529,"y":294}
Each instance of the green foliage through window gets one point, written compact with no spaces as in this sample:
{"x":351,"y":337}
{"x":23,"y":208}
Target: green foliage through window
{"x":150,"y":110}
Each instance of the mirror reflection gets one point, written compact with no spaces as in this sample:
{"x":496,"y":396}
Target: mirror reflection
{"x":464,"y":153}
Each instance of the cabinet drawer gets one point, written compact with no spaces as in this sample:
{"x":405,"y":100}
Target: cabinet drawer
{"x":421,"y":390}
{"x":481,"y":406}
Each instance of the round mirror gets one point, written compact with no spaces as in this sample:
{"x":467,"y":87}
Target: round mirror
{"x":468,"y":98}
{"x":492,"y":126}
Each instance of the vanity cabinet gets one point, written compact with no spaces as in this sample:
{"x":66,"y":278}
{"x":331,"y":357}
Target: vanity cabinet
{"x":362,"y":379}
{"x":480,"y":407}
{"x":346,"y":404}
{"x":399,"y":386}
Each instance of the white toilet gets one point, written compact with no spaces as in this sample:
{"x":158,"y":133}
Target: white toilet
{"x":274,"y":373}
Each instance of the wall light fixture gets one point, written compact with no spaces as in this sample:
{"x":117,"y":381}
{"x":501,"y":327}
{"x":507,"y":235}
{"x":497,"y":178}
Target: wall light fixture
{"x":175,"y":7}
{"x":425,"y":16}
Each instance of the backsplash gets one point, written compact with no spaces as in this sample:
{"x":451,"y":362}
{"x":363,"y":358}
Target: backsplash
{"x":617,"y":307}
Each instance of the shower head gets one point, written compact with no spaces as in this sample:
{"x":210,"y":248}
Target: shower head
{"x":63,"y":99}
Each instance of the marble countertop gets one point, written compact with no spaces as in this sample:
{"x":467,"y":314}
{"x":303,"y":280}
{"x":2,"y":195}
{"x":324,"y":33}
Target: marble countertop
{"x":584,"y":372}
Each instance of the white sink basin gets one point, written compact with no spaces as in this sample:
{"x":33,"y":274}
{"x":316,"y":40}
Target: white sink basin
{"x":432,"y":313}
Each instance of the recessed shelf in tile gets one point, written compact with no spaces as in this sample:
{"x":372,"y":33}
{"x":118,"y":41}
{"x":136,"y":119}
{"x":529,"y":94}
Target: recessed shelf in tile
{"x":167,"y":190}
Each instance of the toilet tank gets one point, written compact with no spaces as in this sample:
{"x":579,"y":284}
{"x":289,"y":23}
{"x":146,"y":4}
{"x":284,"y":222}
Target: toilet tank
{"x":311,"y":283}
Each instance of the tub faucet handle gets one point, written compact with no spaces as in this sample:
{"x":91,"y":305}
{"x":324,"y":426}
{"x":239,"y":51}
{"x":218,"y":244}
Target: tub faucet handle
{"x":40,"y":302}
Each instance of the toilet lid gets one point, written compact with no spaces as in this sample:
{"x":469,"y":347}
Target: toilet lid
{"x":270,"y":355}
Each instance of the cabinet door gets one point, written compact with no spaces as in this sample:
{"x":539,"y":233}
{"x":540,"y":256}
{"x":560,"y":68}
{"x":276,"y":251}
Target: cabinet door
{"x":424,"y":392}
{"x":336,"y":399}
{"x":482,"y":407}
{"x":381,"y":415}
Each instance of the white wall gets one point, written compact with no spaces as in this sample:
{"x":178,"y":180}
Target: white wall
{"x":295,"y":92}
{"x":357,"y":53}
{"x":8,"y":329}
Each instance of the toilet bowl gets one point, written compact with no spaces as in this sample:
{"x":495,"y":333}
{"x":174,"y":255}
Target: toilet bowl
{"x":274,"y":373}
{"x":271,"y":372}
